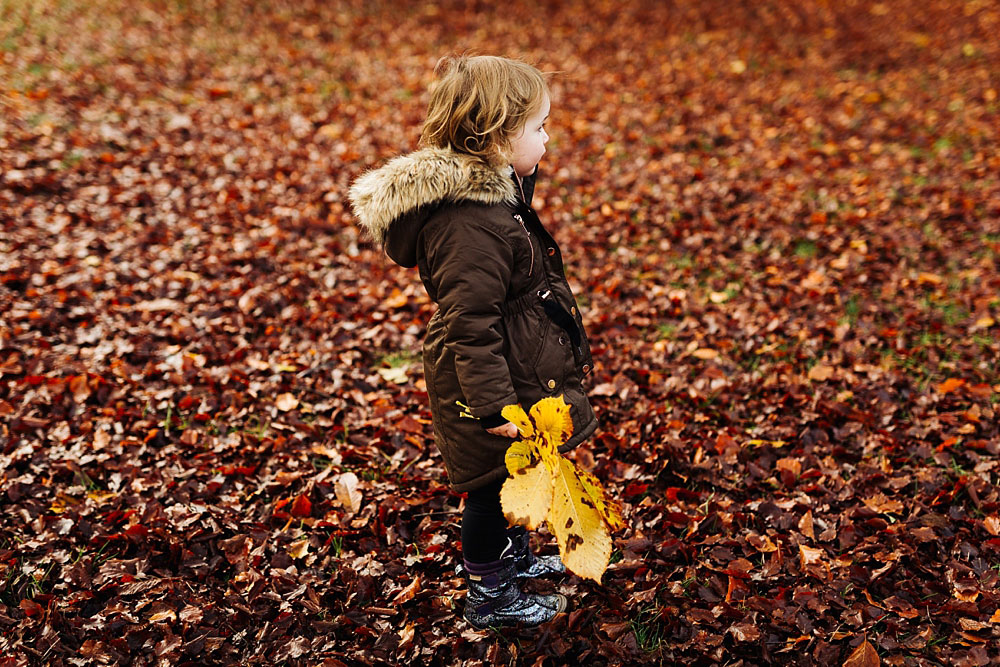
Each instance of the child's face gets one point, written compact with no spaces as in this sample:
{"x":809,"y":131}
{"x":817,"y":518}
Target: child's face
{"x":528,"y":145}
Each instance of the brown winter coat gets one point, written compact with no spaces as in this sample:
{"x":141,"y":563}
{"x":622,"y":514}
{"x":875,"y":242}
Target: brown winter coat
{"x":507,"y":329}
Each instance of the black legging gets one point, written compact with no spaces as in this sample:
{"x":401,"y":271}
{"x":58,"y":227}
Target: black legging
{"x":484,"y":528}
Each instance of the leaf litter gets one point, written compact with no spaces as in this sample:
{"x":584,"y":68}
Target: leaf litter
{"x":785,"y":222}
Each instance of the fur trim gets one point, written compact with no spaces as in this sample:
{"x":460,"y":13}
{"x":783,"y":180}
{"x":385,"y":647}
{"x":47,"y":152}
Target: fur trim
{"x":422,"y":178}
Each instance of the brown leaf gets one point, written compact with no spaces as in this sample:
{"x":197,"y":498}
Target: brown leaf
{"x":407,"y":593}
{"x":863,"y":656}
{"x":806,"y":525}
{"x":744,"y":632}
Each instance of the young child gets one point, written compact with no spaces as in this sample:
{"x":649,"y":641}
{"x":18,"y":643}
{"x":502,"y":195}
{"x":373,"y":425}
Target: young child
{"x":507,"y":329}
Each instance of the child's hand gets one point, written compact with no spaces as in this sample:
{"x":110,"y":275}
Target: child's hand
{"x":507,"y":430}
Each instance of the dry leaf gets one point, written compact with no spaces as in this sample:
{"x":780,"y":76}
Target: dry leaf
{"x":298,"y":549}
{"x":863,"y":656}
{"x":806,"y":525}
{"x":286,"y":402}
{"x":821,"y":372}
{"x":546,"y":487}
{"x":396,"y":375}
{"x":348,"y":493}
{"x":950,"y":385}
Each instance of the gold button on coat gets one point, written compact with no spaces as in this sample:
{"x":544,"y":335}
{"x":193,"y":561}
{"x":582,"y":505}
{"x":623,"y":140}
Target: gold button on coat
{"x":552,"y":384}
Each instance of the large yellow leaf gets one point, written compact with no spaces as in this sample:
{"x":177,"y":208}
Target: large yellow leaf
{"x":580,"y":530}
{"x":545,"y":486}
{"x":515,"y":415}
{"x":527,"y":495}
{"x":604,"y":505}
{"x":519,"y":455}
{"x":552,"y":420}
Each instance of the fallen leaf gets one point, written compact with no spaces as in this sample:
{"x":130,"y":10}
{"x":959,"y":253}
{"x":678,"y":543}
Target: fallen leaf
{"x":407,"y":593}
{"x":821,"y":373}
{"x":863,"y":656}
{"x":286,"y":402}
{"x":298,"y":548}
{"x":348,"y":493}
{"x":950,"y":385}
{"x":396,"y":375}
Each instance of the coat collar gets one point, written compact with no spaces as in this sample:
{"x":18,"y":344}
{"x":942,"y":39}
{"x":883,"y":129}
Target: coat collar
{"x":414,"y":183}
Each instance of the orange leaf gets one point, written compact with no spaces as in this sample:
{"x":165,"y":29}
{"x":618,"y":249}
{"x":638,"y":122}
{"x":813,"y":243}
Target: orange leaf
{"x":863,"y":656}
{"x":950,"y":385}
{"x":929,"y":279}
{"x":821,"y":373}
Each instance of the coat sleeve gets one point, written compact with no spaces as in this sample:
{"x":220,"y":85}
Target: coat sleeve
{"x":470,"y":263}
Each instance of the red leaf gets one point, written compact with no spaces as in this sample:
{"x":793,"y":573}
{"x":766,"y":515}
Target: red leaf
{"x":137,"y":531}
{"x":635,"y":489}
{"x":31,"y":608}
{"x":186,"y":402}
{"x":302,"y":507}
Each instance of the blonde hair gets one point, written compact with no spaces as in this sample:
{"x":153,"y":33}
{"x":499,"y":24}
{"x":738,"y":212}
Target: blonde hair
{"x":479,"y":103}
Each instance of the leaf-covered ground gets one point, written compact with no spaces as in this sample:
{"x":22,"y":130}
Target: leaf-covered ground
{"x":782,"y":218}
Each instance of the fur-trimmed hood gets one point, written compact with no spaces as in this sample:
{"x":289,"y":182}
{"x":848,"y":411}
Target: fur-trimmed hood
{"x":393,"y":202}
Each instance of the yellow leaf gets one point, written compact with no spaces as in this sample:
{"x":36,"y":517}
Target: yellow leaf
{"x":298,"y":549}
{"x":552,"y":420}
{"x":546,"y":487}
{"x":519,"y":455}
{"x":580,"y":531}
{"x":527,"y":496}
{"x":515,"y":415}
{"x":605,"y":506}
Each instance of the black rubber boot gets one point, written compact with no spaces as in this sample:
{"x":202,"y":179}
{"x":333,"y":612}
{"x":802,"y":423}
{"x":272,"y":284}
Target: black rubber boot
{"x":495,"y":598}
{"x":527,"y":564}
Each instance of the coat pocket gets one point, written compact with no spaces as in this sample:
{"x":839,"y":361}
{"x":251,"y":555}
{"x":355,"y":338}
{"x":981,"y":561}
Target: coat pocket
{"x":554,"y":357}
{"x":524,"y":347}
